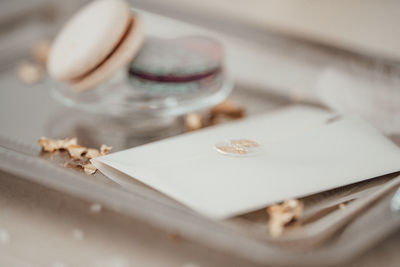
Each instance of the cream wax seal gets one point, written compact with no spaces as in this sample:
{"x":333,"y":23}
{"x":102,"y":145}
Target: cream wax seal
{"x":98,"y":40}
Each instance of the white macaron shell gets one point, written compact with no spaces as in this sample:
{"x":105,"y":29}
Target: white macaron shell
{"x":87,"y":39}
{"x":121,"y":56}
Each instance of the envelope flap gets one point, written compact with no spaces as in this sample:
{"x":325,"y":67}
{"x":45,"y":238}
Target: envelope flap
{"x":293,"y":161}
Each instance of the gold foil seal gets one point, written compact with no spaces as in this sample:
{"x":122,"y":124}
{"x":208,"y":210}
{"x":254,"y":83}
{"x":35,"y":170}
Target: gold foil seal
{"x":237,"y":147}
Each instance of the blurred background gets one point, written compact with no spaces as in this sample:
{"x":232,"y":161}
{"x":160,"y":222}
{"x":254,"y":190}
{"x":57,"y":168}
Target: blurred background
{"x":341,"y":54}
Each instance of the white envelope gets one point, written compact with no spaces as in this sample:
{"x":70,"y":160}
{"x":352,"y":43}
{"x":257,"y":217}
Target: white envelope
{"x":302,"y":151}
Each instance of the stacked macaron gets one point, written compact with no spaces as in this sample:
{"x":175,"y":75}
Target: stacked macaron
{"x":105,"y":36}
{"x":100,"y":39}
{"x":176,"y":65}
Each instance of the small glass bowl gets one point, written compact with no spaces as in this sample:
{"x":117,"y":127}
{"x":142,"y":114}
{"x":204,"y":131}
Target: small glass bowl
{"x":138,"y":102}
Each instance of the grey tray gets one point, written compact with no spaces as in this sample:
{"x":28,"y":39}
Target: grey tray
{"x":26,"y":118}
{"x":29,"y":112}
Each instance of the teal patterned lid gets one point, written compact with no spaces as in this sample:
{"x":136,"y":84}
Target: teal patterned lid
{"x":181,"y":59}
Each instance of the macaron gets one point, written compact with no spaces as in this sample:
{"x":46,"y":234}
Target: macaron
{"x":98,"y":40}
{"x":184,"y":59}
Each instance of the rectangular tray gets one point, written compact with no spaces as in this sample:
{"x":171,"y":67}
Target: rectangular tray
{"x":29,"y":112}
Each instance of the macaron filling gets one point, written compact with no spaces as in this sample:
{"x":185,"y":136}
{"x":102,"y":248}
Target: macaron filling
{"x":174,"y":78}
{"x":176,"y":61}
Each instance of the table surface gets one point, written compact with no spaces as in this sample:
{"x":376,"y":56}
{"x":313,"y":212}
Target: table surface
{"x":46,"y":228}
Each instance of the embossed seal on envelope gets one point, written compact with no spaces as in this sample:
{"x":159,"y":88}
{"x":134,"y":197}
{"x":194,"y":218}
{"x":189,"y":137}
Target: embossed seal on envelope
{"x":237,"y":147}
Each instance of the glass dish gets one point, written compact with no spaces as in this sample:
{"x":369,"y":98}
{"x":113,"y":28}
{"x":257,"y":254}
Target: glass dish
{"x":122,"y":98}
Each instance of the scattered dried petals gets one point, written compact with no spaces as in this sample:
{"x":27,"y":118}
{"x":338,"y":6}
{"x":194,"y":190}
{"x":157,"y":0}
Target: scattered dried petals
{"x":193,"y":121}
{"x":225,"y":111}
{"x":282,"y":214}
{"x":104,"y":149}
{"x":29,"y":73}
{"x":40,"y":51}
{"x":80,"y":155}
{"x":92,"y":153}
{"x":89,"y":168}
{"x":48,"y":145}
{"x":228,"y":108}
{"x":64,"y":143}
{"x":51,"y":145}
{"x":67,"y":164}
{"x":76,"y":151}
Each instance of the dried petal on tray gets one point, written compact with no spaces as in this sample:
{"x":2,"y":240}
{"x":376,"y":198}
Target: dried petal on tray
{"x":51,"y":145}
{"x":48,"y":145}
{"x":64,"y":143}
{"x":89,"y":168}
{"x":79,"y":155}
{"x":29,"y":73}
{"x":76,"y":151}
{"x":227,"y":108}
{"x":92,"y":153}
{"x":104,"y":149}
{"x":68,"y":164}
{"x":40,"y":51}
{"x":193,"y":121}
{"x":225,"y":111}
{"x":282,"y":214}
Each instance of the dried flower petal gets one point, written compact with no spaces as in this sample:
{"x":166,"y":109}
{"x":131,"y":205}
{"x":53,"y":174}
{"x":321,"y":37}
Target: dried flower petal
{"x":193,"y":121}
{"x":228,"y":108}
{"x":29,"y":73}
{"x":225,"y":111}
{"x":67,"y":164}
{"x":89,"y":168}
{"x":51,"y":145}
{"x":92,"y":153}
{"x":80,"y":155}
{"x":48,"y":145}
{"x":76,"y":151}
{"x":282,"y":214}
{"x":104,"y":149}
{"x":64,"y":143}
